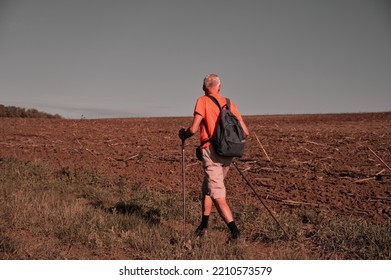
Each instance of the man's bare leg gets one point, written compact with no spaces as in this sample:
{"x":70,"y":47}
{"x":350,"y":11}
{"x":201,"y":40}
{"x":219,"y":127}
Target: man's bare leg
{"x":224,"y":210}
{"x":207,"y":204}
{"x":226,"y":214}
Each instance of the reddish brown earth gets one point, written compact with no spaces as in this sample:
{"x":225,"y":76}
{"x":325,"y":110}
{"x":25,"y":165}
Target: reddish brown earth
{"x":317,"y":161}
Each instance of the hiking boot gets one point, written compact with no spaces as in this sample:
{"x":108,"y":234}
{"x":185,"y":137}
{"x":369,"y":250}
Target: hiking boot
{"x":235,"y":235}
{"x":234,"y":230}
{"x":235,"y":238}
{"x":201,"y":232}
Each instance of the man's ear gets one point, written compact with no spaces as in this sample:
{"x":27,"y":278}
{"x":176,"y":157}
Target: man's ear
{"x":219,"y":88}
{"x":204,"y":88}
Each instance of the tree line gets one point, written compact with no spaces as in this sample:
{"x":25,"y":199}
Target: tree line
{"x":17,"y":112}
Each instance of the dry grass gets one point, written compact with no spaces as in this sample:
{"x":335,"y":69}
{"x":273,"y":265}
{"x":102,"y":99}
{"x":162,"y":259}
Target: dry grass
{"x":78,"y":214}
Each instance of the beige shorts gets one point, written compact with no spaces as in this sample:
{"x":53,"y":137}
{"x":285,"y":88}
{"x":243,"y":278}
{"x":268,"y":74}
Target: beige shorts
{"x":215,"y":170}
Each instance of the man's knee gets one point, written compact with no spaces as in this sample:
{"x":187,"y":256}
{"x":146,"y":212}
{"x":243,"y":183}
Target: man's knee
{"x":221,"y":201}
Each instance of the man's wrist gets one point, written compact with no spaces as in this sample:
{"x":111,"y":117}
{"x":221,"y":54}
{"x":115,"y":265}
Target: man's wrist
{"x":187,"y":134}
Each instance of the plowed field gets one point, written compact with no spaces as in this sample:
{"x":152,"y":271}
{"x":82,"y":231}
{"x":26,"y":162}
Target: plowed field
{"x":332,"y":162}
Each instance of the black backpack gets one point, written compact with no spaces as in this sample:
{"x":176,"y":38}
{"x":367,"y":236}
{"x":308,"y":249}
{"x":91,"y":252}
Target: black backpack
{"x":228,"y":139}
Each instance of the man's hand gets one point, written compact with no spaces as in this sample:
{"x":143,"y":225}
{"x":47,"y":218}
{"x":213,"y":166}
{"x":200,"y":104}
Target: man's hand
{"x":182,"y":133}
{"x":186,"y":133}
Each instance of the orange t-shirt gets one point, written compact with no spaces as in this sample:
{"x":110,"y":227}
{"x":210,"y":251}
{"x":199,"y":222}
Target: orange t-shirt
{"x":210,"y":114}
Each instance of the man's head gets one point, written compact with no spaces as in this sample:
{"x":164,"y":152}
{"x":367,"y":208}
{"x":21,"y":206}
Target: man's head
{"x":211,"y":84}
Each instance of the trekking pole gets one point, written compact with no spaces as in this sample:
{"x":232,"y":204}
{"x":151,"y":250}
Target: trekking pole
{"x":260,"y":198}
{"x":183,"y":187}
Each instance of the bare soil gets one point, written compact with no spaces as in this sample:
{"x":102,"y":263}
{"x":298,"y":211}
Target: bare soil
{"x":330,"y":162}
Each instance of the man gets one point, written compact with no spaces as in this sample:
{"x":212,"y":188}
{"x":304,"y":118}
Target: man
{"x":206,"y":115}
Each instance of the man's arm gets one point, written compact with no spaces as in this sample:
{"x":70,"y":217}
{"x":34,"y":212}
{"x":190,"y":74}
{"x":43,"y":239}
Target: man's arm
{"x":195,"y":125}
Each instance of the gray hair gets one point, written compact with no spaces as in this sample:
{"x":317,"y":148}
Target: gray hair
{"x":211,"y":80}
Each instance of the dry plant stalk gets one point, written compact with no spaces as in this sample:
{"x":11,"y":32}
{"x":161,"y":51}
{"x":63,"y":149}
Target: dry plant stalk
{"x":365,"y":179}
{"x":132,"y":157}
{"x":312,"y":142}
{"x":389,"y":168}
{"x":298,"y":203}
{"x":260,"y":144}
{"x":311,"y":152}
{"x":378,"y":174}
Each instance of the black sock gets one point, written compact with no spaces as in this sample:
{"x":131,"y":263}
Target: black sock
{"x":204,"y":222}
{"x":235,"y":233}
{"x":232,"y":227}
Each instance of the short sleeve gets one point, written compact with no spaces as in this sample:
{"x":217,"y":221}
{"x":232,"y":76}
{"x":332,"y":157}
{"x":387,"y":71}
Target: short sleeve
{"x":200,"y":107}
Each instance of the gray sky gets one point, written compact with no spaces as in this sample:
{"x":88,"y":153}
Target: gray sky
{"x":122,"y":58}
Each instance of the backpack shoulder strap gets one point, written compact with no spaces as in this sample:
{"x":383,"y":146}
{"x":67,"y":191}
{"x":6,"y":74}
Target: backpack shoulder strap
{"x":218,"y":105}
{"x":228,"y":105}
{"x":207,"y":131}
{"x":215,"y":101}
